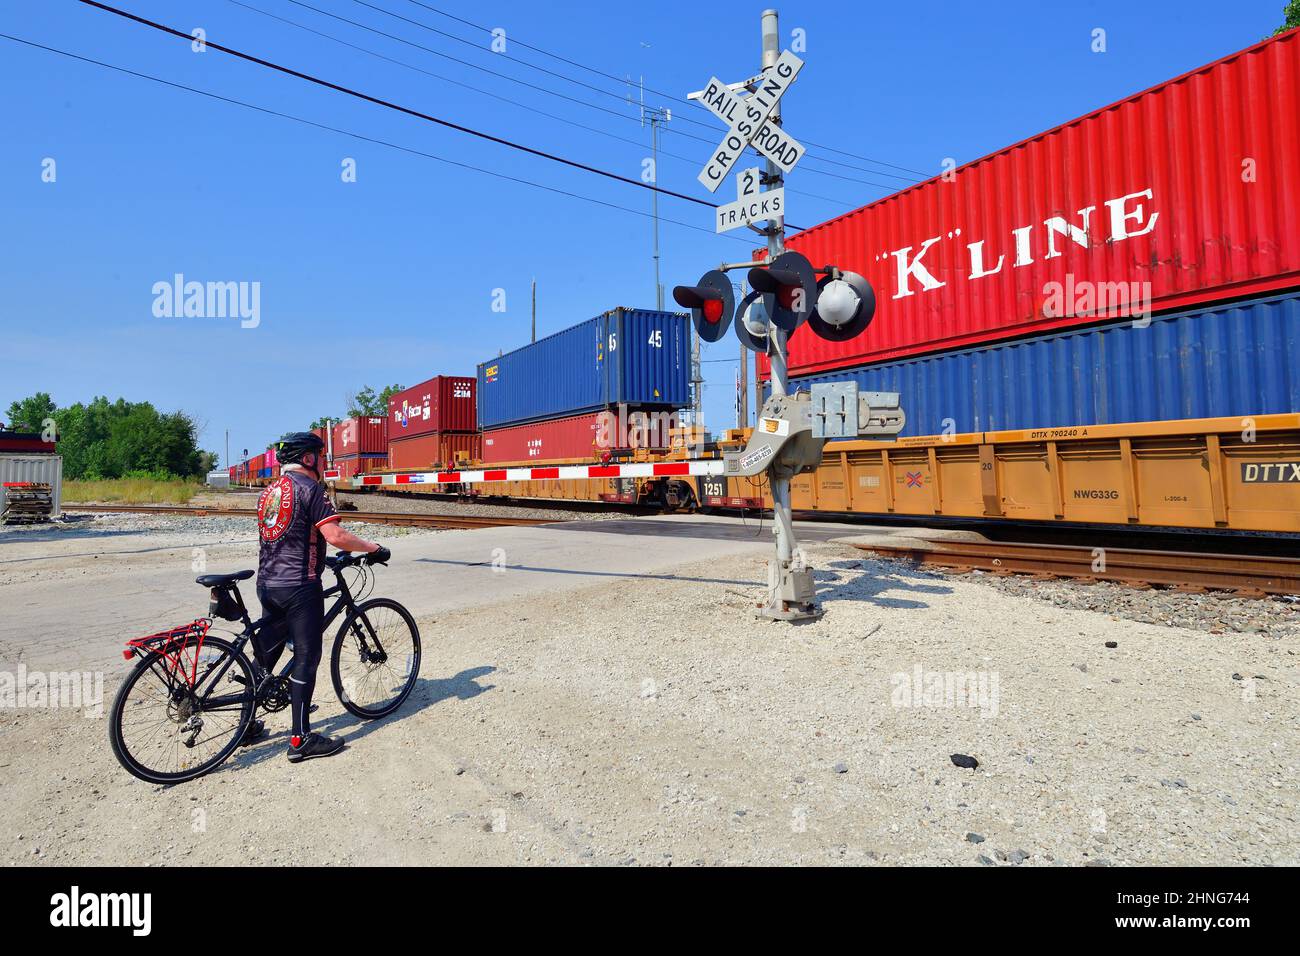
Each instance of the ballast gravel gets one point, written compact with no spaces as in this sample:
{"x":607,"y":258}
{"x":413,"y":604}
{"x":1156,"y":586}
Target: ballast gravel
{"x":651,"y":720}
{"x":1215,"y":612}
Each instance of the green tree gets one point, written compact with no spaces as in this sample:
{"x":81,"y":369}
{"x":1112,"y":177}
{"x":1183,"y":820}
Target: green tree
{"x":1291,"y":17}
{"x":367,"y":404}
{"x":103,"y":439}
{"x":30,"y":414}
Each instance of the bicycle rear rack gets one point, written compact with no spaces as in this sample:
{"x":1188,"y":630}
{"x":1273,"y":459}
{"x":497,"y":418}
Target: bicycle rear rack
{"x":171,"y":646}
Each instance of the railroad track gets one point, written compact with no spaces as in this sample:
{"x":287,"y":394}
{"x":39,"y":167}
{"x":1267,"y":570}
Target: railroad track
{"x":1245,"y":575}
{"x":403,"y":520}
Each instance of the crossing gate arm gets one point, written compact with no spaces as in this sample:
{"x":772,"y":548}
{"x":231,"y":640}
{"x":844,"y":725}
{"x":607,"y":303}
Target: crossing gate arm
{"x":662,"y":469}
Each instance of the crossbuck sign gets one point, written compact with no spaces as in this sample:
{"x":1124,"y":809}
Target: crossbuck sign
{"x":749,"y":121}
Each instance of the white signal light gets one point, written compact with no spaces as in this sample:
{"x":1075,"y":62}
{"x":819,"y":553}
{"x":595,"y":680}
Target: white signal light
{"x":756,"y":320}
{"x":845,"y":306}
{"x":838,"y":303}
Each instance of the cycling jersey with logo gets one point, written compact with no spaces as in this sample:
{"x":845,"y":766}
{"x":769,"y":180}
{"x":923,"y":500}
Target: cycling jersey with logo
{"x":290,"y":514}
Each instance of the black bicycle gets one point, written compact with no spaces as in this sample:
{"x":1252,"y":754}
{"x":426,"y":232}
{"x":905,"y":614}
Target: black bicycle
{"x":185,"y":706}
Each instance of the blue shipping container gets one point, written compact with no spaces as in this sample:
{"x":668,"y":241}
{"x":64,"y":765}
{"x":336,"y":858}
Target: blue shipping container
{"x":637,"y":357}
{"x":1227,"y":360}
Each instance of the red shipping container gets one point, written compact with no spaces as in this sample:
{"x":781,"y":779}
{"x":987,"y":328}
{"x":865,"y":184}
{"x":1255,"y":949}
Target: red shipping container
{"x":1182,"y":194}
{"x":23,"y":443}
{"x":360,"y":436}
{"x":424,"y":451}
{"x":355,"y":465}
{"x":554,"y":440}
{"x":444,"y":403}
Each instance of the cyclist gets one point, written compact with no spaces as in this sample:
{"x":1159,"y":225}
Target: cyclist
{"x":295,"y":521}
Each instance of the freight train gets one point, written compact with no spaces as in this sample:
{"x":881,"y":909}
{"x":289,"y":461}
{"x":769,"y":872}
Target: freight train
{"x":1100,"y":323}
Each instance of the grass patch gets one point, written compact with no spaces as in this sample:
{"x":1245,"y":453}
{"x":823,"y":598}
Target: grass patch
{"x":132,"y":491}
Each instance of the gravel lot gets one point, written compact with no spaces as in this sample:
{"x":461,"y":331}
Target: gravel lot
{"x":650,"y":720}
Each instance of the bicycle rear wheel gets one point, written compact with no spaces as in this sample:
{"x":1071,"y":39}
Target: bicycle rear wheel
{"x":376,"y":658}
{"x":164,"y":730}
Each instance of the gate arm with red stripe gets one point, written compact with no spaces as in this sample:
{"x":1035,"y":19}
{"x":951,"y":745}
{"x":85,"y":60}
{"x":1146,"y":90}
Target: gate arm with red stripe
{"x":789,"y":437}
{"x":663,"y":469}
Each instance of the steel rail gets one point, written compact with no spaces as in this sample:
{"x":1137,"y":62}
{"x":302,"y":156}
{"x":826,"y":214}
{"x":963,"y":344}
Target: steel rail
{"x":1254,"y":575}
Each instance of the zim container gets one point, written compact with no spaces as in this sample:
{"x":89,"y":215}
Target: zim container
{"x":636,"y":357}
{"x":444,"y":403}
{"x":437,"y":448}
{"x":1180,"y":195}
{"x":1239,"y":359}
{"x":360,"y":436}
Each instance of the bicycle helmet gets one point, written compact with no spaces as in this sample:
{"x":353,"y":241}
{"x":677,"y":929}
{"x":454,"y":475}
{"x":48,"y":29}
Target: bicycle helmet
{"x":290,"y":449}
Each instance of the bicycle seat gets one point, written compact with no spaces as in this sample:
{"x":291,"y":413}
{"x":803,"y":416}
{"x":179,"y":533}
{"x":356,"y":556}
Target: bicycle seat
{"x":222,"y":580}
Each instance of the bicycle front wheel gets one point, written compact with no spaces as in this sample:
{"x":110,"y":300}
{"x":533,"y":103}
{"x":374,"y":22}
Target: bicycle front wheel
{"x":164,"y":729}
{"x":376,"y":658}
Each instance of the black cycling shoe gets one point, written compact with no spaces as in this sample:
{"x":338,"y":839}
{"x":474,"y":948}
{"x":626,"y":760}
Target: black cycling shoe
{"x":313,"y":745}
{"x":254,"y":732}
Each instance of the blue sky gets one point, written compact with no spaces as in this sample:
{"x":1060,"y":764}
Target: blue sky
{"x":392,"y":278}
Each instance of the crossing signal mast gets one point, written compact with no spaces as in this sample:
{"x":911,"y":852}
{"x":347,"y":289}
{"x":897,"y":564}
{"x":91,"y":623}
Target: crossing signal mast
{"x":788,"y":291}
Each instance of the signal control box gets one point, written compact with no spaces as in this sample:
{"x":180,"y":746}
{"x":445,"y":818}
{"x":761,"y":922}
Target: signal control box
{"x":792,"y":429}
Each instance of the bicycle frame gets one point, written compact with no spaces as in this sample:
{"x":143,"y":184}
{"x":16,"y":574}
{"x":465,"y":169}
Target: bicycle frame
{"x":205,"y":700}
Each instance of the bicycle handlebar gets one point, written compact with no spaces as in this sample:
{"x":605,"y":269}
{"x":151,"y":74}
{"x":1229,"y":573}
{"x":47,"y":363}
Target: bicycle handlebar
{"x":346,"y":559}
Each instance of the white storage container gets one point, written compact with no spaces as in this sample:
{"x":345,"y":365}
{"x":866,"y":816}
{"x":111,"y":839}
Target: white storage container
{"x":45,"y":469}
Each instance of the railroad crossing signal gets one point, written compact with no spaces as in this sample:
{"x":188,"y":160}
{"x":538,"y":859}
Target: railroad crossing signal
{"x":712,"y":302}
{"x":789,"y":288}
{"x":786,"y":295}
{"x":749,"y":121}
{"x":846,"y":304}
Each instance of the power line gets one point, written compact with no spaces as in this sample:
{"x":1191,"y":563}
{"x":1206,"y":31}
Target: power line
{"x":366,"y":97}
{"x":670,"y":96}
{"x":504,"y":99}
{"x":549,"y":92}
{"x":688,"y":119}
{"x":437,"y":76}
{"x":452,"y":36}
{"x":350,"y":133}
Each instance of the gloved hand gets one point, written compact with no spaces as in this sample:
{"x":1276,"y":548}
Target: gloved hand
{"x":379,"y":557}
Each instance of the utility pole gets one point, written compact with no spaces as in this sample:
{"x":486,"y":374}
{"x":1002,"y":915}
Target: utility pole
{"x":742,"y":383}
{"x":791,"y":431}
{"x":226,"y":460}
{"x":534,"y":338}
{"x":655,"y":116}
{"x":783,"y":520}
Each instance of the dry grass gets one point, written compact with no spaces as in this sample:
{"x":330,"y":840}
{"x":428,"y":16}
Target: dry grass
{"x":131,"y":491}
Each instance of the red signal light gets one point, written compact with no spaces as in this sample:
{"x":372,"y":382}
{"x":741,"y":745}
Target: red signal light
{"x":713,"y":310}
